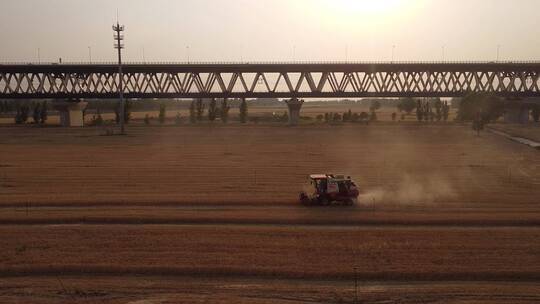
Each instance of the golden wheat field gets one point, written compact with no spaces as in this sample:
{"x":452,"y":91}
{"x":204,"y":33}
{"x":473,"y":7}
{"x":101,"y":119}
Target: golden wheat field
{"x":209,"y":214}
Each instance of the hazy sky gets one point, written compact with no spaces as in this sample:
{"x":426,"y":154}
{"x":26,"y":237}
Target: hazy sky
{"x":263,"y":30}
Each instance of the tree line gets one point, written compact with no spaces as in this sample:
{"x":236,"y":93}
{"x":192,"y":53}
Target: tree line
{"x":37,"y":111}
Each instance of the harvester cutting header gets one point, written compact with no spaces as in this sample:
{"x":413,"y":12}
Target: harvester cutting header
{"x":330,"y":188}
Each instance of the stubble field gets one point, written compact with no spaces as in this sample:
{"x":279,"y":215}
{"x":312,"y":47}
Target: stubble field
{"x":209,"y":214}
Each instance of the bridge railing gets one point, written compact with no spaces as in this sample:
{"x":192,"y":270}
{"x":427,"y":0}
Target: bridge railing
{"x":272,"y":62}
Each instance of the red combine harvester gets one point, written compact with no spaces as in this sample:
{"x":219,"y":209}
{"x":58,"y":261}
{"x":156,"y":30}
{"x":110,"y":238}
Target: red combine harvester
{"x":330,"y":188}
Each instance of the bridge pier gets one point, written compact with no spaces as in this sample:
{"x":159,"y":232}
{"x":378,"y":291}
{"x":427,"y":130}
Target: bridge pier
{"x":294,"y":105}
{"x":71,"y":113}
{"x":516,"y":114}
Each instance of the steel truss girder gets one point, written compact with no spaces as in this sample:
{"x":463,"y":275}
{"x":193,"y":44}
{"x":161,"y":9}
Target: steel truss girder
{"x":310,"y":81}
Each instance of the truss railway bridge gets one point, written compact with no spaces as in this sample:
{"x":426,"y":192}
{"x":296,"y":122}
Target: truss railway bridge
{"x":517,"y":81}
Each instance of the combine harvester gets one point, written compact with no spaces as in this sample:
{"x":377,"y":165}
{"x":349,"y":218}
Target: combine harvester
{"x":329,"y":189}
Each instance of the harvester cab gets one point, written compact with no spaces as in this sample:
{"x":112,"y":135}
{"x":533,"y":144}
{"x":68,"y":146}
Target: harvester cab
{"x":325,"y":189}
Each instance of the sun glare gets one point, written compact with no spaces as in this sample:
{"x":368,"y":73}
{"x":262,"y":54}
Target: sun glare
{"x":360,"y":7}
{"x":367,"y":6}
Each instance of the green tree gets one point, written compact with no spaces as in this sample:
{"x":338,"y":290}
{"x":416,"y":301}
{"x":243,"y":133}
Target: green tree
{"x":347,"y":116}
{"x":193,"y":112}
{"x":364,"y":117}
{"x":445,"y":111}
{"x":373,"y":116}
{"x":375,"y":105}
{"x":535,"y":112}
{"x":36,"y":113}
{"x":212,"y":110}
{"x":22,"y":114}
{"x":116,"y":114}
{"x":43,"y":115}
{"x":489,"y":106}
{"x":419,"y":111}
{"x":406,"y":105}
{"x":243,"y":111}
{"x":127,"y":111}
{"x":438,"y":105}
{"x":18,"y":119}
{"x":225,"y":111}
{"x":162,"y":113}
{"x":478,"y":123}
{"x":428,"y":115}
{"x":200,"y":106}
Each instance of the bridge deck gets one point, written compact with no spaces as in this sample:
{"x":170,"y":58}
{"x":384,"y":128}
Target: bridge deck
{"x":280,"y":80}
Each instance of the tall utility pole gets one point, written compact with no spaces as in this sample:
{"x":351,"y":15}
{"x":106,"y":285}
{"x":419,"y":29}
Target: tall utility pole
{"x":118,"y":37}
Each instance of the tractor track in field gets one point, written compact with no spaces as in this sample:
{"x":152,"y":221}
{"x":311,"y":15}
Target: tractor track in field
{"x":375,"y":225}
{"x":278,"y":216}
{"x":195,"y":272}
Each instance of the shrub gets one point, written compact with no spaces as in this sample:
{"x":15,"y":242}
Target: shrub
{"x":394,"y":116}
{"x":178,"y":119}
{"x":285,"y":116}
{"x":320,"y":117}
{"x":96,"y":120}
